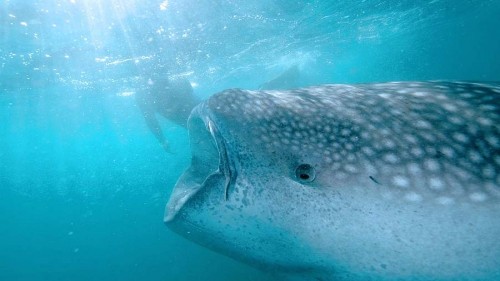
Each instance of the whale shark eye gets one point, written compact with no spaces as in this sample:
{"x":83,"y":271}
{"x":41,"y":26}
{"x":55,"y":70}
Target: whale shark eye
{"x":305,"y":173}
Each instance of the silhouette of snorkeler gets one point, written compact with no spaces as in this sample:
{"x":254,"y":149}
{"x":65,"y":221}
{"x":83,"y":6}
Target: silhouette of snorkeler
{"x":172,"y":99}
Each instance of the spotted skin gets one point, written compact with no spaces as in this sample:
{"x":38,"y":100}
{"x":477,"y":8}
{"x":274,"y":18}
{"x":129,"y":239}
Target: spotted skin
{"x":397,"y":181}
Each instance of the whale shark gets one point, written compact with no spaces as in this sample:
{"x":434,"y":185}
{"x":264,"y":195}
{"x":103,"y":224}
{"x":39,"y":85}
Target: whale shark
{"x":382,"y":181}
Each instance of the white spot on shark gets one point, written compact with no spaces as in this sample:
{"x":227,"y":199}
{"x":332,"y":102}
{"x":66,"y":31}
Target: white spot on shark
{"x":478,"y":197}
{"x":401,"y":181}
{"x":413,"y":197}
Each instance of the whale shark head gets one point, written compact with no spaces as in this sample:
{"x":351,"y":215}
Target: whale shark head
{"x":348,"y":182}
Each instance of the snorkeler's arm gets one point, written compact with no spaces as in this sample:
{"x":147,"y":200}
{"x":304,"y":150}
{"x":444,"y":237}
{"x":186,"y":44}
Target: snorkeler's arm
{"x":155,"y":127}
{"x":148,"y":111}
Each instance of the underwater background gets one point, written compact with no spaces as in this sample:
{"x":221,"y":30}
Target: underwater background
{"x":83,"y":182}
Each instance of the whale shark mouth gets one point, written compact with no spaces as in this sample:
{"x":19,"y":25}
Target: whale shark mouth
{"x":210,"y":161}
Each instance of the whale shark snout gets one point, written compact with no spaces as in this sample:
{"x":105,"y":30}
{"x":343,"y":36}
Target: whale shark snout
{"x":389,"y":181}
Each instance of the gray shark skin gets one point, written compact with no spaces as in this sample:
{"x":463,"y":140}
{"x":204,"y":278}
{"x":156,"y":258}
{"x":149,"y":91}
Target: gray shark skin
{"x":390,"y":181}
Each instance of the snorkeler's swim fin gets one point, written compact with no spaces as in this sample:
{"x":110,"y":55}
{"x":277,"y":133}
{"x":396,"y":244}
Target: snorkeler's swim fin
{"x":286,"y":80}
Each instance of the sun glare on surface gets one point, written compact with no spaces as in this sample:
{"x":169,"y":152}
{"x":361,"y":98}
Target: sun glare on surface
{"x":164,"y":5}
{"x":105,"y":17}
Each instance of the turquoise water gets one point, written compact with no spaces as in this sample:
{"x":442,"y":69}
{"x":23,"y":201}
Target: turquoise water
{"x":83,"y":183}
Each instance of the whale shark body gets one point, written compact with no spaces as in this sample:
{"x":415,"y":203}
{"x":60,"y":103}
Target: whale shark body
{"x":389,"y":181}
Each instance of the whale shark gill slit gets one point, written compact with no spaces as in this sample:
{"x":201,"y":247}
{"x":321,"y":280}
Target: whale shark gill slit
{"x":226,"y":167}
